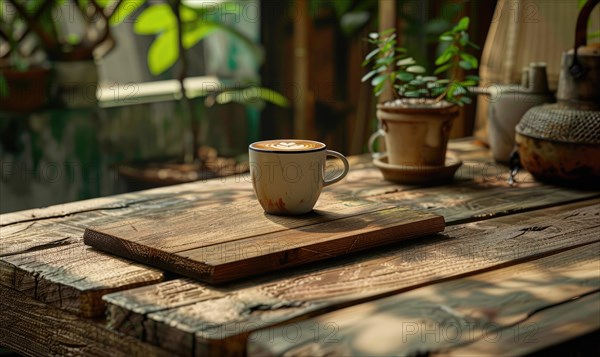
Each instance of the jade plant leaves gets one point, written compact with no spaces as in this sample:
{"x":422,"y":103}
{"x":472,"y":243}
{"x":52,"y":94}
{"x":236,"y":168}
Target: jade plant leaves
{"x":408,"y":78}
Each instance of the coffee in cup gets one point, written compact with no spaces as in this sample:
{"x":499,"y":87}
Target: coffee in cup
{"x":288,"y":174}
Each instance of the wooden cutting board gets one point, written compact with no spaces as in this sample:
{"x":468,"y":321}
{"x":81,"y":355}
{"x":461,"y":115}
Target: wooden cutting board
{"x":222,"y":241}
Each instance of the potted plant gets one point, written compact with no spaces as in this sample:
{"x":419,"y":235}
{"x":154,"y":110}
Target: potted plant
{"x":182,"y":25}
{"x":23,"y":76}
{"x":416,"y":124}
{"x":73,"y":55}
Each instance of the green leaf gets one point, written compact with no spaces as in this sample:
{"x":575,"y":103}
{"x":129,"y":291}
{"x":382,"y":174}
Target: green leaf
{"x":471,"y":59}
{"x":405,"y":76}
{"x":416,"y":82}
{"x":465,"y":100}
{"x":438,"y":90}
{"x":406,"y":62}
{"x":463,"y":25}
{"x":163,"y":52}
{"x":367,"y":76}
{"x":187,"y":14}
{"x":465,"y":65}
{"x":450,"y":91}
{"x":372,"y":54}
{"x":452,"y":49}
{"x":155,"y":19}
{"x":384,"y":61}
{"x":446,"y":38}
{"x":192,"y":37}
{"x":442,"y":69}
{"x":388,"y":32}
{"x":379,"y":89}
{"x":416,"y":69}
{"x":103,"y":3}
{"x":374,"y":35}
{"x":472,"y":78}
{"x":125,"y":9}
{"x":443,"y":58}
{"x":464,"y":39}
{"x":378,"y":80}
{"x":412,"y":94}
{"x":429,"y":78}
{"x":459,"y":90}
{"x":468,"y":83}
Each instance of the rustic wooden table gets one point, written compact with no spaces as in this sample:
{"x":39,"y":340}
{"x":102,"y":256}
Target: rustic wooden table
{"x":517,"y":270}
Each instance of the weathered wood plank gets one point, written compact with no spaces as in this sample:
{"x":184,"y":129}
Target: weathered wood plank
{"x":482,"y":191}
{"x":47,"y":260}
{"x":213,"y":223}
{"x":73,"y":277}
{"x":235,"y":241}
{"x":544,"y":329}
{"x":479,"y":308}
{"x":170,"y":294}
{"x":316,"y":242}
{"x":464,"y":249}
{"x":34,"y":328}
{"x":118,"y":202}
{"x":42,"y":233}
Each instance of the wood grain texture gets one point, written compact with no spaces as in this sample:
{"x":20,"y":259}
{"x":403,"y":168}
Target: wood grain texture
{"x":33,"y":328}
{"x":73,"y":277}
{"x":480,"y":308}
{"x":26,"y":237}
{"x":60,"y":228}
{"x":235,"y":241}
{"x":544,"y":329}
{"x":226,"y":320}
{"x":45,"y":258}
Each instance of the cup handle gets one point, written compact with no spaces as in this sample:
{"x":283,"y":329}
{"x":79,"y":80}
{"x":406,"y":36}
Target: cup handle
{"x":343,"y":174}
{"x":379,"y":133}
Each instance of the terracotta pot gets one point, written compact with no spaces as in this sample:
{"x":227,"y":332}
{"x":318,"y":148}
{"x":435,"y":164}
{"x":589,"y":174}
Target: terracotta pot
{"x":415,"y":135}
{"x":27,"y":90}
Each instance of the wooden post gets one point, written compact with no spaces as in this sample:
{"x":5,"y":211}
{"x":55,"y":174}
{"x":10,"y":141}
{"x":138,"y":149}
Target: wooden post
{"x":387,"y":20}
{"x":303,"y":101}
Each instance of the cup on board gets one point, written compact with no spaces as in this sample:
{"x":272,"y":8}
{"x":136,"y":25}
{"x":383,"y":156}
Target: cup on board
{"x":288,"y":174}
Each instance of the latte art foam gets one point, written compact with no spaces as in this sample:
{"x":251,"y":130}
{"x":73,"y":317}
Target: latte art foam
{"x":288,"y":145}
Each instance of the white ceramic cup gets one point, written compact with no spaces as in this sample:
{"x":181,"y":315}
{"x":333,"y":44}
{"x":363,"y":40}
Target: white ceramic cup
{"x":288,"y":174}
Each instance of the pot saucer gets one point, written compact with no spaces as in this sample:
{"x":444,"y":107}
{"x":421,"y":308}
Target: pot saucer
{"x":418,"y":175}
